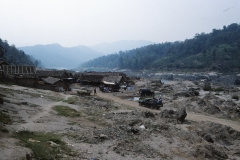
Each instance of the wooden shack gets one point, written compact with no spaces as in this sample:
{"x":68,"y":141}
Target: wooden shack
{"x":96,"y":78}
{"x":54,"y":84}
{"x":63,"y":75}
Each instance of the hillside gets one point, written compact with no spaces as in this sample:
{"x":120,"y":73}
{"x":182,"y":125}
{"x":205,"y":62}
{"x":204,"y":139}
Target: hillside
{"x":12,"y":55}
{"x":57,"y":56}
{"x":216,"y":51}
{"x":115,"y":47}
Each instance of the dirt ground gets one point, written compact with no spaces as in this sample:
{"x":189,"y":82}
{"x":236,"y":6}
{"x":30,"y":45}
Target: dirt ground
{"x":113,"y":126}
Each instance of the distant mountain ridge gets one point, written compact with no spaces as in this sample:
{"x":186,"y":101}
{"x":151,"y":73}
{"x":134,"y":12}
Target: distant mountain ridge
{"x":59,"y":57}
{"x":123,"y":45}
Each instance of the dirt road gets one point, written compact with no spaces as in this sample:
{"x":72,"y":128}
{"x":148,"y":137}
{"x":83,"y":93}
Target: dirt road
{"x":191,"y":116}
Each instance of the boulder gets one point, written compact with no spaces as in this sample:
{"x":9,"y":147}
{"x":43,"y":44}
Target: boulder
{"x":103,"y":136}
{"x":181,"y":114}
{"x":167,"y":113}
{"x":212,"y":109}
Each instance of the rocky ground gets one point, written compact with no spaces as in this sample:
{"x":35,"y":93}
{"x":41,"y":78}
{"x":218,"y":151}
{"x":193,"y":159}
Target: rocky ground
{"x":51,"y":125}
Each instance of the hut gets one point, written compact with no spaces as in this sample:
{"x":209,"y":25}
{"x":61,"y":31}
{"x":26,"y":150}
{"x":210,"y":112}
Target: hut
{"x":96,"y":78}
{"x":54,"y":84}
{"x":61,"y":74}
{"x":111,"y":83}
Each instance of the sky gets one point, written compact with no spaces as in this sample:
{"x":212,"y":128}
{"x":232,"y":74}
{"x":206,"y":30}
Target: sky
{"x":89,"y":22}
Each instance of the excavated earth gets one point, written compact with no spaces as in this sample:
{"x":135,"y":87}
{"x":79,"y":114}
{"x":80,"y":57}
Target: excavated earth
{"x":114,"y":126}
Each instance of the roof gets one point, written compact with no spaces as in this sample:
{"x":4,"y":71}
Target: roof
{"x":3,"y":63}
{"x":52,"y":73}
{"x":51,"y":80}
{"x":91,"y":78}
{"x":110,"y":83}
{"x":112,"y":79}
{"x":13,"y":69}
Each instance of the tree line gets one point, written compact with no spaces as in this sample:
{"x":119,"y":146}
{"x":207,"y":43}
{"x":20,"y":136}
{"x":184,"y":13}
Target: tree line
{"x":218,"y":50}
{"x":14,"y":56}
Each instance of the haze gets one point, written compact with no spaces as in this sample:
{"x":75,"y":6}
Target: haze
{"x":89,"y":22}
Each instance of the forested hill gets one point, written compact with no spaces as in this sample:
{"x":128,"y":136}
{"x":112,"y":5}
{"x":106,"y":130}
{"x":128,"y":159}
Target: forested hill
{"x":14,"y":56}
{"x":218,"y":50}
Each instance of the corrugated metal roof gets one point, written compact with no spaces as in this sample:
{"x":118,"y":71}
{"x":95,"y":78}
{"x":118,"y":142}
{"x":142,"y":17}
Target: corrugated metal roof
{"x":51,"y":80}
{"x":112,"y":79}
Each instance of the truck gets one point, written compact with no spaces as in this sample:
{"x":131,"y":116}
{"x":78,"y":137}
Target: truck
{"x":152,"y":103}
{"x":83,"y":91}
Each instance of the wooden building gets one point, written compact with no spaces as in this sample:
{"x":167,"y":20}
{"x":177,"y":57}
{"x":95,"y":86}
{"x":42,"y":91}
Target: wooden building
{"x":54,"y":84}
{"x":107,"y":81}
{"x":21,"y":75}
{"x":61,"y":74}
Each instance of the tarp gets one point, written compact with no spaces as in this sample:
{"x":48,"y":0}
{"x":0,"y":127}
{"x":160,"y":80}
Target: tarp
{"x":111,"y":83}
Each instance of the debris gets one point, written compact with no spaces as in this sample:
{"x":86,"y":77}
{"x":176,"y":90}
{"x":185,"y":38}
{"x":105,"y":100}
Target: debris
{"x":142,"y":127}
{"x":33,"y":141}
{"x":53,"y":144}
{"x":103,"y":136}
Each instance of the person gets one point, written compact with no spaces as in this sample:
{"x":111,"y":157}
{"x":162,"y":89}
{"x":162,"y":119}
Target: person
{"x":95,"y":91}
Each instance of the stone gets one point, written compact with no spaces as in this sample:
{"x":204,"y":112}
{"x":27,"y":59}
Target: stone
{"x":103,"y":136}
{"x":181,"y":114}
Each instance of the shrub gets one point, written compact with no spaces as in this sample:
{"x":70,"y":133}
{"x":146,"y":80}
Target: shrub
{"x":42,"y":149}
{"x":5,"y":118}
{"x":235,"y":97}
{"x":207,"y":87}
{"x":66,"y":111}
{"x":196,"y":93}
{"x":219,"y":89}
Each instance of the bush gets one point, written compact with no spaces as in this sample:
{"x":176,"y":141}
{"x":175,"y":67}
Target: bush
{"x":66,"y":111}
{"x":235,"y":97}
{"x":207,"y":87}
{"x":219,"y":89}
{"x":196,"y":93}
{"x":42,"y":149}
{"x":5,"y":118}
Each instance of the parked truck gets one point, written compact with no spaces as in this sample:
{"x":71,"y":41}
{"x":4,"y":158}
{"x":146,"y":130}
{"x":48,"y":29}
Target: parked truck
{"x":153,"y":103}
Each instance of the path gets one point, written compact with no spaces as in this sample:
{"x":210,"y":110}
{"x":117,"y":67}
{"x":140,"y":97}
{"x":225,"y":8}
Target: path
{"x":191,"y":116}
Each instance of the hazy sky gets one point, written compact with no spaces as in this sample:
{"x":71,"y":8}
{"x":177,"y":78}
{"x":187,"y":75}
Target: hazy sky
{"x":88,"y":22}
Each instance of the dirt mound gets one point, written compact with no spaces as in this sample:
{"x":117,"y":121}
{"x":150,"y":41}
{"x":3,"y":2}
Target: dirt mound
{"x":220,"y":133}
{"x":167,"y":113}
{"x":209,"y":152}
